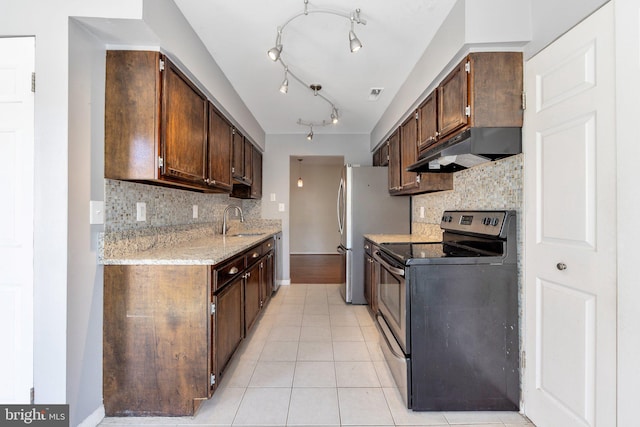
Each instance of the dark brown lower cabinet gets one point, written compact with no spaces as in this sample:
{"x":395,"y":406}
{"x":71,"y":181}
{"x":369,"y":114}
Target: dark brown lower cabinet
{"x":229,"y":327}
{"x":170,"y":331}
{"x":157,"y":341}
{"x":252,"y":295}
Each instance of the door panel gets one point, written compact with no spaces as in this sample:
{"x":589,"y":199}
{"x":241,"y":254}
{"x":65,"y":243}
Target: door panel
{"x":571,"y":140}
{"x":16,"y":218}
{"x":570,"y":244}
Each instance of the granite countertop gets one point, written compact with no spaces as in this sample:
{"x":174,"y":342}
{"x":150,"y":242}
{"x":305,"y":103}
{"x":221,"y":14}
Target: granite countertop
{"x":198,"y":245}
{"x":422,"y":233}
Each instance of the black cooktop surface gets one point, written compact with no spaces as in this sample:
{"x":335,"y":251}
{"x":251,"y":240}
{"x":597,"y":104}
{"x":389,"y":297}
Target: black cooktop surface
{"x":462,"y":249}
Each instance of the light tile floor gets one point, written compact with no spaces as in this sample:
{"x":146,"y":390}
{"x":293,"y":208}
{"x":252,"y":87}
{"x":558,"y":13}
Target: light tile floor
{"x":312,"y":360}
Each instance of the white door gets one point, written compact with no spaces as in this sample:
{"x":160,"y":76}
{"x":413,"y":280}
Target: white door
{"x":16,"y":218}
{"x":570,"y":229}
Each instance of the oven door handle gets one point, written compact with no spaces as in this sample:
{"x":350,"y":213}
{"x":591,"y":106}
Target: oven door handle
{"x":390,"y":346}
{"x":385,"y":264}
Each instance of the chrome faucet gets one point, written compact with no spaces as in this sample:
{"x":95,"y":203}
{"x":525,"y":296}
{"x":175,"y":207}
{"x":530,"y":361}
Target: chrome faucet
{"x":224,"y":217}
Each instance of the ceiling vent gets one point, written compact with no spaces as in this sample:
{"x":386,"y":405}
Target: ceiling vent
{"x":374,"y":93}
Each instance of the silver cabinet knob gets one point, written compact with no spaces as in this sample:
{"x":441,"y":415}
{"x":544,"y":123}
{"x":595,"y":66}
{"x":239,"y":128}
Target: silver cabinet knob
{"x":561,"y":266}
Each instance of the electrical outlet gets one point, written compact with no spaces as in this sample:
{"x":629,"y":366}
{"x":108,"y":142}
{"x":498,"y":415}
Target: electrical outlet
{"x":281,"y":207}
{"x":141,"y":211}
{"x":195,"y":211}
{"x":421,"y":211}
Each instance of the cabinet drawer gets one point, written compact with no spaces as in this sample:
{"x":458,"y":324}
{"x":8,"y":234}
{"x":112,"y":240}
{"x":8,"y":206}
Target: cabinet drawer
{"x":253,"y":254}
{"x":228,"y":271}
{"x":268,"y":245}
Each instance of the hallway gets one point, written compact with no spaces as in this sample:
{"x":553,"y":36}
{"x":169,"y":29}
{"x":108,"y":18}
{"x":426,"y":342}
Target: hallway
{"x":311,"y":360}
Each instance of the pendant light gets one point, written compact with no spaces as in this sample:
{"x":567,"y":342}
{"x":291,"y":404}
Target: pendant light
{"x":300,"y":182}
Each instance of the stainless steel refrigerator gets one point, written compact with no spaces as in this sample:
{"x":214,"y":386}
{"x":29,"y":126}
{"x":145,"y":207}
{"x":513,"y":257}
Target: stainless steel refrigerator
{"x":364,"y":206}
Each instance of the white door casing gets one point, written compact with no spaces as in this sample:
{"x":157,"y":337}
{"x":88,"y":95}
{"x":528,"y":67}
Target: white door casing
{"x":17,"y":56}
{"x":570,"y":226}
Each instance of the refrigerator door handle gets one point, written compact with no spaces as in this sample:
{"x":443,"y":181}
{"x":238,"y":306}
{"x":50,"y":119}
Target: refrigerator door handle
{"x":341,"y":250}
{"x":340,"y":206}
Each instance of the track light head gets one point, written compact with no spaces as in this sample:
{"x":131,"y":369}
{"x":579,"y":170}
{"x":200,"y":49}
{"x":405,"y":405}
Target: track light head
{"x":334,"y":115}
{"x":310,"y":134}
{"x":354,"y":42}
{"x":274,"y":52}
{"x":284,"y":87}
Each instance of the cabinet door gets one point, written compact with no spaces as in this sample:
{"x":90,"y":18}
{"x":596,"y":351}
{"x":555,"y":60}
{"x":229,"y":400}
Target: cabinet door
{"x":384,"y":154}
{"x":248,"y":162}
{"x":368,"y":291}
{"x":268,"y":278}
{"x":408,"y":152}
{"x":252,"y":295}
{"x":228,"y":326}
{"x":256,"y":174}
{"x":238,"y":156}
{"x":428,"y":122}
{"x":453,"y":101}
{"x":394,"y":162}
{"x":220,"y":140}
{"x":184,"y":127}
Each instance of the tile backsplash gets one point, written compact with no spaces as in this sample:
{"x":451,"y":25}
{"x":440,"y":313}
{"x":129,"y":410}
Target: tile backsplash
{"x":494,"y":185}
{"x":166,"y":206}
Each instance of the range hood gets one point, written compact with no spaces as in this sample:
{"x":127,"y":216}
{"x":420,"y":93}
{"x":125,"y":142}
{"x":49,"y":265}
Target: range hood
{"x":470,"y":148}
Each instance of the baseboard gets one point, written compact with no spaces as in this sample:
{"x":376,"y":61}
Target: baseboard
{"x":94,"y":419}
{"x":286,"y":282}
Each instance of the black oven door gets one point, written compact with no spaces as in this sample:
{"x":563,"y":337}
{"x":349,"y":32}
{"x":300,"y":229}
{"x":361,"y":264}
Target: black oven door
{"x":392,"y":298}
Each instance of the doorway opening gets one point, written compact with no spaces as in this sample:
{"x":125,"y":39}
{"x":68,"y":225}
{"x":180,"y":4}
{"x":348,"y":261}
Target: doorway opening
{"x":314,"y":231}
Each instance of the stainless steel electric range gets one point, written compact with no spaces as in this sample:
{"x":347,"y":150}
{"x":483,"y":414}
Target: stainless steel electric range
{"x":448,"y":314}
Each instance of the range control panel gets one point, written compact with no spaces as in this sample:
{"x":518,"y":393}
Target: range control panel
{"x":489,"y":223}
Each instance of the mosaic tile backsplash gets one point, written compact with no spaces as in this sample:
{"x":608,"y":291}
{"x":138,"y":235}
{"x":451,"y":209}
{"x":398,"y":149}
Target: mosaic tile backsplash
{"x":166,"y":206}
{"x":494,"y":185}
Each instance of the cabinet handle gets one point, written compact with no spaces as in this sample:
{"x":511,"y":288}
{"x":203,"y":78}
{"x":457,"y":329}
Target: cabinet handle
{"x":233,"y":270}
{"x":561,"y":266}
{"x":255,"y":255}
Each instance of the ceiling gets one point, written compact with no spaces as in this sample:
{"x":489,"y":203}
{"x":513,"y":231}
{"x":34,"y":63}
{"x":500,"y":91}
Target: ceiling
{"x":239,"y":33}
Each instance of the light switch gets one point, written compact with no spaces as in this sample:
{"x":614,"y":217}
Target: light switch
{"x":141,"y":211}
{"x":281,"y":207}
{"x":195,"y":211}
{"x":96,"y":212}
{"x":421,"y":211}
{"x":273,"y":197}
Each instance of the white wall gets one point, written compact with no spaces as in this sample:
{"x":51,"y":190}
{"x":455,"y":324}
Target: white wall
{"x":551,"y":19}
{"x":471,"y":25}
{"x":354,"y":148}
{"x":85,"y":182}
{"x":48,"y":22}
{"x":312,"y":219}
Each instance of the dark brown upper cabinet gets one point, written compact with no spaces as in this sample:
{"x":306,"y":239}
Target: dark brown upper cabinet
{"x":242,"y":158}
{"x":381,"y":155}
{"x":484,"y":90}
{"x":183,"y":127}
{"x":220,"y":140}
{"x":160,"y":128}
{"x":251,"y":185}
{"x":394,"y":162}
{"x":428,"y":122}
{"x":408,"y":153}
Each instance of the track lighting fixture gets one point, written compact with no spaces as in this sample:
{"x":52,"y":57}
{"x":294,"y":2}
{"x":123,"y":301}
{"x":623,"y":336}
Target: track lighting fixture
{"x":275,"y":53}
{"x":284,"y":88}
{"x":354,"y":42}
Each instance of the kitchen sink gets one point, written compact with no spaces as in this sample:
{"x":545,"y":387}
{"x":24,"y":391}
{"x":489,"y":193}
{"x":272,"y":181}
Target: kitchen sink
{"x":244,"y":234}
